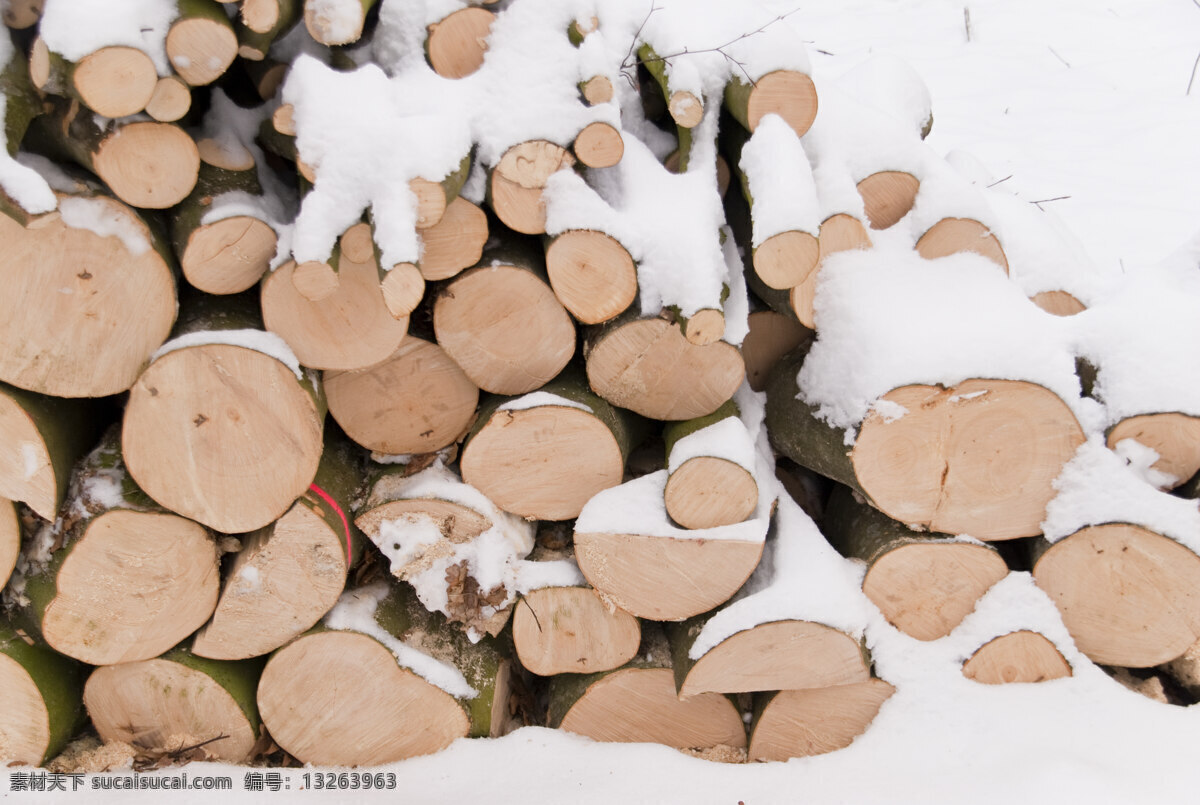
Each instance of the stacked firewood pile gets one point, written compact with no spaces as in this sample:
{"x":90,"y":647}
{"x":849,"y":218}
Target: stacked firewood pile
{"x":375,"y":375}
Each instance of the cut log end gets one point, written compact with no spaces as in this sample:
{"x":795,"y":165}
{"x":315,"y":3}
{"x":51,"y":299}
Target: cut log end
{"x":284,"y":119}
{"x":457,"y":44}
{"x":260,"y":16}
{"x":1022,"y":656}
{"x":785,"y":260}
{"x":517,"y":181}
{"x":543,"y":463}
{"x":925,"y":589}
{"x":1127,"y":595}
{"x":170,"y":101}
{"x":570,"y":630}
{"x":201,"y":49}
{"x":455,"y":242}
{"x":640,"y":705}
{"x":133,"y":586}
{"x":1174,"y":436}
{"x":888,"y":196}
{"x":402,"y":288}
{"x":228,"y":256}
{"x":149,"y":164}
{"x":591,"y":274}
{"x":707,"y":492}
{"x":24,"y":718}
{"x":431,"y":202}
{"x":26,"y":471}
{"x":315,"y":280}
{"x":597,"y":90}
{"x":686,"y":109}
{"x":704,"y":328}
{"x":654,"y":577}
{"x":335,"y":23}
{"x":772,"y":335}
{"x":953,"y":235}
{"x":1058,"y":303}
{"x":160,"y":705}
{"x":225,"y":155}
{"x":341,"y":699}
{"x":786,"y":93}
{"x":222,"y":434}
{"x":781,"y":655}
{"x":599,"y":145}
{"x":801,"y":723}
{"x":115,"y":81}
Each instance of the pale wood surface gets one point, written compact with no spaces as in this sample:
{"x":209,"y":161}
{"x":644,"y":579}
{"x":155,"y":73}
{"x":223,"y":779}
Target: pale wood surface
{"x":456,"y":45}
{"x":952,"y":235}
{"x":228,"y":256}
{"x":559,"y":630}
{"x":24,"y":720}
{"x":771,"y":336}
{"x":1059,"y":303}
{"x":201,"y":49}
{"x":838,"y":233}
{"x":704,"y":327}
{"x":1022,"y":656}
{"x":888,"y":196}
{"x":326,"y":22}
{"x":706,"y":492}
{"x":341,"y":699}
{"x":785,"y":260}
{"x":786,"y":93}
{"x":115,"y":81}
{"x":800,"y":723}
{"x":516,"y":183}
{"x":592,"y":274}
{"x":1174,"y":436}
{"x":403,"y":288}
{"x":431,"y":201}
{"x":170,"y":101}
{"x":26,"y":470}
{"x":599,"y":145}
{"x":149,"y":164}
{"x":597,"y":89}
{"x":10,"y":539}
{"x":686,"y":109}
{"x":455,"y":242}
{"x":315,"y":280}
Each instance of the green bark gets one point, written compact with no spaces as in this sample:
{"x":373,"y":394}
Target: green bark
{"x":59,"y":680}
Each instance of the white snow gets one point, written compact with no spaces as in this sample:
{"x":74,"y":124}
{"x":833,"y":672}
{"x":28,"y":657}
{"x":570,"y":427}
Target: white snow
{"x":780,"y":180}
{"x":105,"y":220}
{"x":536,"y":399}
{"x":258,"y":340}
{"x":727,"y":439}
{"x":22,"y":183}
{"x":75,"y":28}
{"x":31,"y":459}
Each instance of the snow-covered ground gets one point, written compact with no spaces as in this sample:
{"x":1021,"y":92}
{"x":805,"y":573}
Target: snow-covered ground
{"x":1080,"y":105}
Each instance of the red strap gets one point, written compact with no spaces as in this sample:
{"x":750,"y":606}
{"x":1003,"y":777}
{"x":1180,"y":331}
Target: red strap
{"x":323,"y":495}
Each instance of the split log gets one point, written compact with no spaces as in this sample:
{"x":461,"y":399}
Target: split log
{"x":953,"y":235}
{"x":776,"y":655}
{"x":545,"y":455}
{"x":170,"y":101}
{"x":1126,"y":594}
{"x":599,"y":145}
{"x":501,"y":322}
{"x":1021,"y":656}
{"x":336,"y":22}
{"x":455,"y":45}
{"x":220,"y":429}
{"x":97,"y":262}
{"x":349,"y":329}
{"x":41,"y":438}
{"x":1174,"y":436}
{"x":708,"y":483}
{"x":978,"y":458}
{"x":125,"y":579}
{"x":289,"y":574}
{"x":888,"y":196}
{"x":388,"y":712}
{"x":145,"y":163}
{"x":455,"y":242}
{"x":786,"y":93}
{"x":200,"y":43}
{"x":221,"y":252}
{"x":591,"y":273}
{"x":40,"y":698}
{"x":571,"y":630}
{"x":178,"y":701}
{"x":111,"y":81}
{"x":635,"y":558}
{"x":772,"y":335}
{"x":431,"y":526}
{"x":924,"y":584}
{"x":637,"y":703}
{"x":515,"y":185}
{"x":416,"y":401}
{"x":801,"y":723}
{"x":648,"y":366}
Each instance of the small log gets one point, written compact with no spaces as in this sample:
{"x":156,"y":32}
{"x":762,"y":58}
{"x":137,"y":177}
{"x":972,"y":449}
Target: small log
{"x":111,"y":81}
{"x":170,"y":101}
{"x":22,"y":14}
{"x":838,"y":233}
{"x":545,"y":457}
{"x":1125,"y":593}
{"x":416,"y":401}
{"x":515,"y":185}
{"x":570,"y":630}
{"x":403,"y":288}
{"x":953,"y":235}
{"x":348,"y":329}
{"x":145,"y":163}
{"x":772,"y":335}
{"x":345,"y":697}
{"x":455,"y":242}
{"x":776,"y":655}
{"x":596,"y":90}
{"x":455,"y":46}
{"x":591,"y":273}
{"x":41,"y":438}
{"x":1021,"y":656}
{"x":648,"y":366}
{"x":289,"y":574}
{"x":176,"y":703}
{"x":786,"y":93}
{"x":888,"y":196}
{"x":651,"y":570}
{"x":684,"y":106}
{"x":707,"y":487}
{"x":130,"y":579}
{"x":1174,"y":436}
{"x":924,"y":584}
{"x":802,"y":723}
{"x":947,"y":464}
{"x":599,"y":145}
{"x":502,"y":323}
{"x":637,"y":703}
{"x":336,"y":22}
{"x":1058,"y":303}
{"x":201,"y":43}
{"x":219,"y":431}
{"x":41,"y":693}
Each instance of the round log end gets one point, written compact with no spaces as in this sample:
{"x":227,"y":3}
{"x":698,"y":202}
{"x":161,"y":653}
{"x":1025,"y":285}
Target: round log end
{"x":26,"y":470}
{"x":455,"y":242}
{"x":457,"y":44}
{"x":340,"y":699}
{"x":115,"y":81}
{"x":1022,"y":656}
{"x":707,"y":492}
{"x":149,"y":164}
{"x":597,"y":90}
{"x":402,"y":289}
{"x":431,"y":201}
{"x":599,"y":145}
{"x":24,"y":718}
{"x":686,"y":109}
{"x":170,"y":101}
{"x":201,"y":49}
{"x":315,"y":280}
{"x":888,"y":196}
{"x":785,"y":260}
{"x":953,"y":235}
{"x":705,"y":327}
{"x":260,"y":16}
{"x":335,"y":23}
{"x":1058,"y":303}
{"x":1174,"y":436}
{"x":786,"y":93}
{"x":591,"y":274}
{"x":570,"y":630}
{"x":358,"y":244}
{"x":228,"y":256}
{"x":801,"y":723}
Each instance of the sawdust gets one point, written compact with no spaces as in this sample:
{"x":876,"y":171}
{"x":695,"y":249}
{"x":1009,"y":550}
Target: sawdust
{"x":722,"y":753}
{"x":89,"y":754}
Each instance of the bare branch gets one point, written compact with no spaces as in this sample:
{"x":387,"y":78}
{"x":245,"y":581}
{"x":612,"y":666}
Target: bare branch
{"x":1194,"y":66}
{"x":1040,"y":202}
{"x":1001,"y":181}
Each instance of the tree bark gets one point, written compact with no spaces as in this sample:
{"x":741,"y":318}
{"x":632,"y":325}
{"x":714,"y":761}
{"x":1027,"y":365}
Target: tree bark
{"x":42,"y":698}
{"x":112,"y":81}
{"x":514,"y":188}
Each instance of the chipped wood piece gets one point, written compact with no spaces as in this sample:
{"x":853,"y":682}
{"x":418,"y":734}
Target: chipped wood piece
{"x":1021,"y":656}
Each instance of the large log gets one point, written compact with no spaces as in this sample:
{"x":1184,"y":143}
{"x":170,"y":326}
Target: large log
{"x":787,"y":93}
{"x":591,"y":273}
{"x":571,"y":630}
{"x":41,"y":697}
{"x":801,"y":723}
{"x":456,"y":44}
{"x":112,"y":81}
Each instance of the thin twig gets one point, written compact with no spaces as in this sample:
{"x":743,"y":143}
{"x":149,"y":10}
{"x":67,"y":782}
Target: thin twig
{"x":967,"y":21}
{"x":626,"y":64}
{"x":183,"y":749}
{"x":1040,"y":202}
{"x":525,"y":601}
{"x":1194,"y":66}
{"x":1000,"y":181}
{"x":1060,"y":58}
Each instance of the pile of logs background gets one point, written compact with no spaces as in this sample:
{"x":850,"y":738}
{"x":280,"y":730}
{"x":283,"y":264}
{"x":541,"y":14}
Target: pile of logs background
{"x":185,"y":524}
